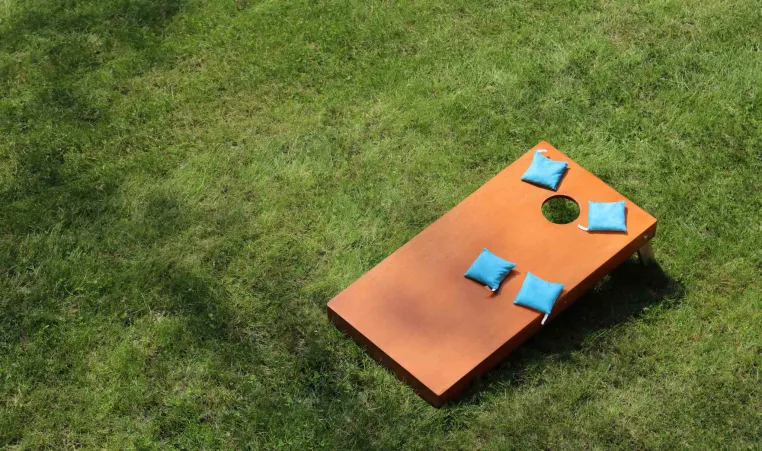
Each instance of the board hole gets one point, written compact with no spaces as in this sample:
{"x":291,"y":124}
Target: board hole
{"x":560,"y":209}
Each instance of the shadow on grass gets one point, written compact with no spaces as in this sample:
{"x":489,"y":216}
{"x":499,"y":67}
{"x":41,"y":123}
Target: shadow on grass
{"x":61,"y":144}
{"x":626,"y":294}
{"x":60,"y":130}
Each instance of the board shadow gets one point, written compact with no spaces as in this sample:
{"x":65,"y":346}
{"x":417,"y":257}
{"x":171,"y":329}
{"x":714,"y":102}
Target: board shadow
{"x":625,"y":295}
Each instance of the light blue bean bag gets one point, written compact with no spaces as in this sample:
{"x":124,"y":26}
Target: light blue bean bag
{"x":606,"y":217}
{"x":538,"y":294}
{"x":544,"y":172}
{"x":489,"y":269}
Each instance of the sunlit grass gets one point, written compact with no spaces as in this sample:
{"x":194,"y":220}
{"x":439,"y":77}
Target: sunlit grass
{"x":184,"y":185}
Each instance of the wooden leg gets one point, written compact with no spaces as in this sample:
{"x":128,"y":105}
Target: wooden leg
{"x":646,"y":254}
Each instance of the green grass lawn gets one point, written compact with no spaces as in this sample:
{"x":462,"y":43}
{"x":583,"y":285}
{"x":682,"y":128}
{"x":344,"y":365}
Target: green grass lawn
{"x":185,"y":184}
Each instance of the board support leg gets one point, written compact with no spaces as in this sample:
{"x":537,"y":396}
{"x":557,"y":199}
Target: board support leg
{"x":646,"y":254}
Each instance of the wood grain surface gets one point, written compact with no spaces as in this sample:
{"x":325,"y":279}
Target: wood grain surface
{"x":416,"y":313}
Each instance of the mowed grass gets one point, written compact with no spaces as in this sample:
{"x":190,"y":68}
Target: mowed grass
{"x":185,"y":184}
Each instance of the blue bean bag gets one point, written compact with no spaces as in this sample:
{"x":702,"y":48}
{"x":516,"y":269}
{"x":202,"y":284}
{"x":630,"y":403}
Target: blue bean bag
{"x":544,"y":172}
{"x":606,"y":217}
{"x":538,"y":294}
{"x":489,"y":269}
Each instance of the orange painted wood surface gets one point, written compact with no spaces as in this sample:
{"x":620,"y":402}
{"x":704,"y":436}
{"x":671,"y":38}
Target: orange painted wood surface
{"x":416,"y":313}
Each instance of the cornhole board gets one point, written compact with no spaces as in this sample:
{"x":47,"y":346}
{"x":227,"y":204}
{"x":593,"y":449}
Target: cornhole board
{"x":416,"y":313}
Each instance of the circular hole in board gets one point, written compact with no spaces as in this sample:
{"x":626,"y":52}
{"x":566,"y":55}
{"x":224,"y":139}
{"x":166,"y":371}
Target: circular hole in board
{"x":560,"y":209}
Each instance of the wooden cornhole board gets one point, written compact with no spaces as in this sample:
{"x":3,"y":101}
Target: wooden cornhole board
{"x":435,"y":329}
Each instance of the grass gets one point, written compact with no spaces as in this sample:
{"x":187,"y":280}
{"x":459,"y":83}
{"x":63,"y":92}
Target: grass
{"x":185,"y":184}
{"x":560,"y":210}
